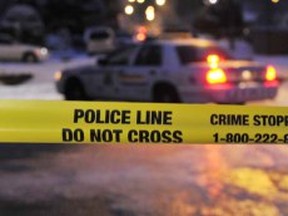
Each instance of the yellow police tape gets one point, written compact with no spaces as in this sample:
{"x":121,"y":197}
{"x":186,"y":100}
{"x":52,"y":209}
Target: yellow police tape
{"x":134,"y":123}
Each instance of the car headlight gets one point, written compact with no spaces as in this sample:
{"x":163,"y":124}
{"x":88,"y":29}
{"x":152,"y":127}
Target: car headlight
{"x":58,"y":75}
{"x":44,"y":51}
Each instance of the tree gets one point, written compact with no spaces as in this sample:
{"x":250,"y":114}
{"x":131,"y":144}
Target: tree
{"x":221,"y":19}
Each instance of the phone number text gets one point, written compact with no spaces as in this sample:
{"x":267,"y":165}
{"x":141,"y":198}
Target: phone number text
{"x":247,"y":138}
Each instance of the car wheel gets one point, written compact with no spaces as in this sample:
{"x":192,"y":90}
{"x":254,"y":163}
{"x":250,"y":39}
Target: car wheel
{"x":163,"y":94}
{"x":75,"y":91}
{"x":30,"y":58}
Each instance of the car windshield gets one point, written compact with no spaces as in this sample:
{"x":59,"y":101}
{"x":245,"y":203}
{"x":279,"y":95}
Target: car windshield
{"x":188,"y":54}
{"x":120,"y":56}
{"x":99,"y":35}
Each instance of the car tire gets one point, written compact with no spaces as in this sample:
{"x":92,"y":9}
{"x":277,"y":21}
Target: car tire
{"x":165,"y":94}
{"x":30,"y":58}
{"x":74,"y":90}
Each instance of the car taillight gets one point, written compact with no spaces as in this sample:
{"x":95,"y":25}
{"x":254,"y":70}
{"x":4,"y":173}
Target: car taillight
{"x":141,"y":34}
{"x":216,"y":76}
{"x":213,"y":60}
{"x":271,"y":73}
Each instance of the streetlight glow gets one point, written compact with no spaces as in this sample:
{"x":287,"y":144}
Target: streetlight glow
{"x":129,"y":10}
{"x":275,"y":1}
{"x":150,"y":13}
{"x":140,"y":1}
{"x":160,"y":2}
{"x":131,"y":1}
{"x":213,"y":1}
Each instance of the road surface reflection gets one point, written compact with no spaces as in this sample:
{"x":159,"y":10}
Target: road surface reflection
{"x":156,"y":180}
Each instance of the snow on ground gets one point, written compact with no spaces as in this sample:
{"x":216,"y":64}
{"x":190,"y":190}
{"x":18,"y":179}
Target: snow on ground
{"x":41,"y":86}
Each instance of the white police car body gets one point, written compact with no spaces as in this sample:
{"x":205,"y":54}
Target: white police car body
{"x":190,"y":71}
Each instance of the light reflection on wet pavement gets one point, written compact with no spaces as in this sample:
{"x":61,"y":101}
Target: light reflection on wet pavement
{"x":152,"y":180}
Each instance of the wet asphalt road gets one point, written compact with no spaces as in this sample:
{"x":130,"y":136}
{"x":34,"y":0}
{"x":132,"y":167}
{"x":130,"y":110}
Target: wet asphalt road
{"x":143,"y":180}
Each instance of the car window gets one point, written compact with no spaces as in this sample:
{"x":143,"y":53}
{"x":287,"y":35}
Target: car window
{"x":188,"y":54}
{"x":222,"y":53}
{"x":99,"y":35}
{"x":121,"y":56}
{"x":149,"y":55}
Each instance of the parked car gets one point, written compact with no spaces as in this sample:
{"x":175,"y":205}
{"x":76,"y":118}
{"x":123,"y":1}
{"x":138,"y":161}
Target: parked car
{"x":11,"y":50}
{"x":190,"y":71}
{"x":99,"y":40}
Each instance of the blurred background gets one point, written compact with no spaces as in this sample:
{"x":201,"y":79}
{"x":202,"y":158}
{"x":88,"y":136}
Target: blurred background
{"x":47,"y":23}
{"x":40,"y":37}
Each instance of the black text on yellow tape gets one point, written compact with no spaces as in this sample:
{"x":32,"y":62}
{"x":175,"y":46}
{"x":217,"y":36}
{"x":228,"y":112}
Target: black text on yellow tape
{"x":136,"y":123}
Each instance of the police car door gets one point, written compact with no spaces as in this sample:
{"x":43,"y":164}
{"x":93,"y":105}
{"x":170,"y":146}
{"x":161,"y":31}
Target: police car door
{"x":115,"y":63}
{"x":136,"y":81}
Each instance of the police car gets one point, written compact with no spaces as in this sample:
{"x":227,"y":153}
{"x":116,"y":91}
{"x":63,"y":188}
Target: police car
{"x":190,"y":71}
